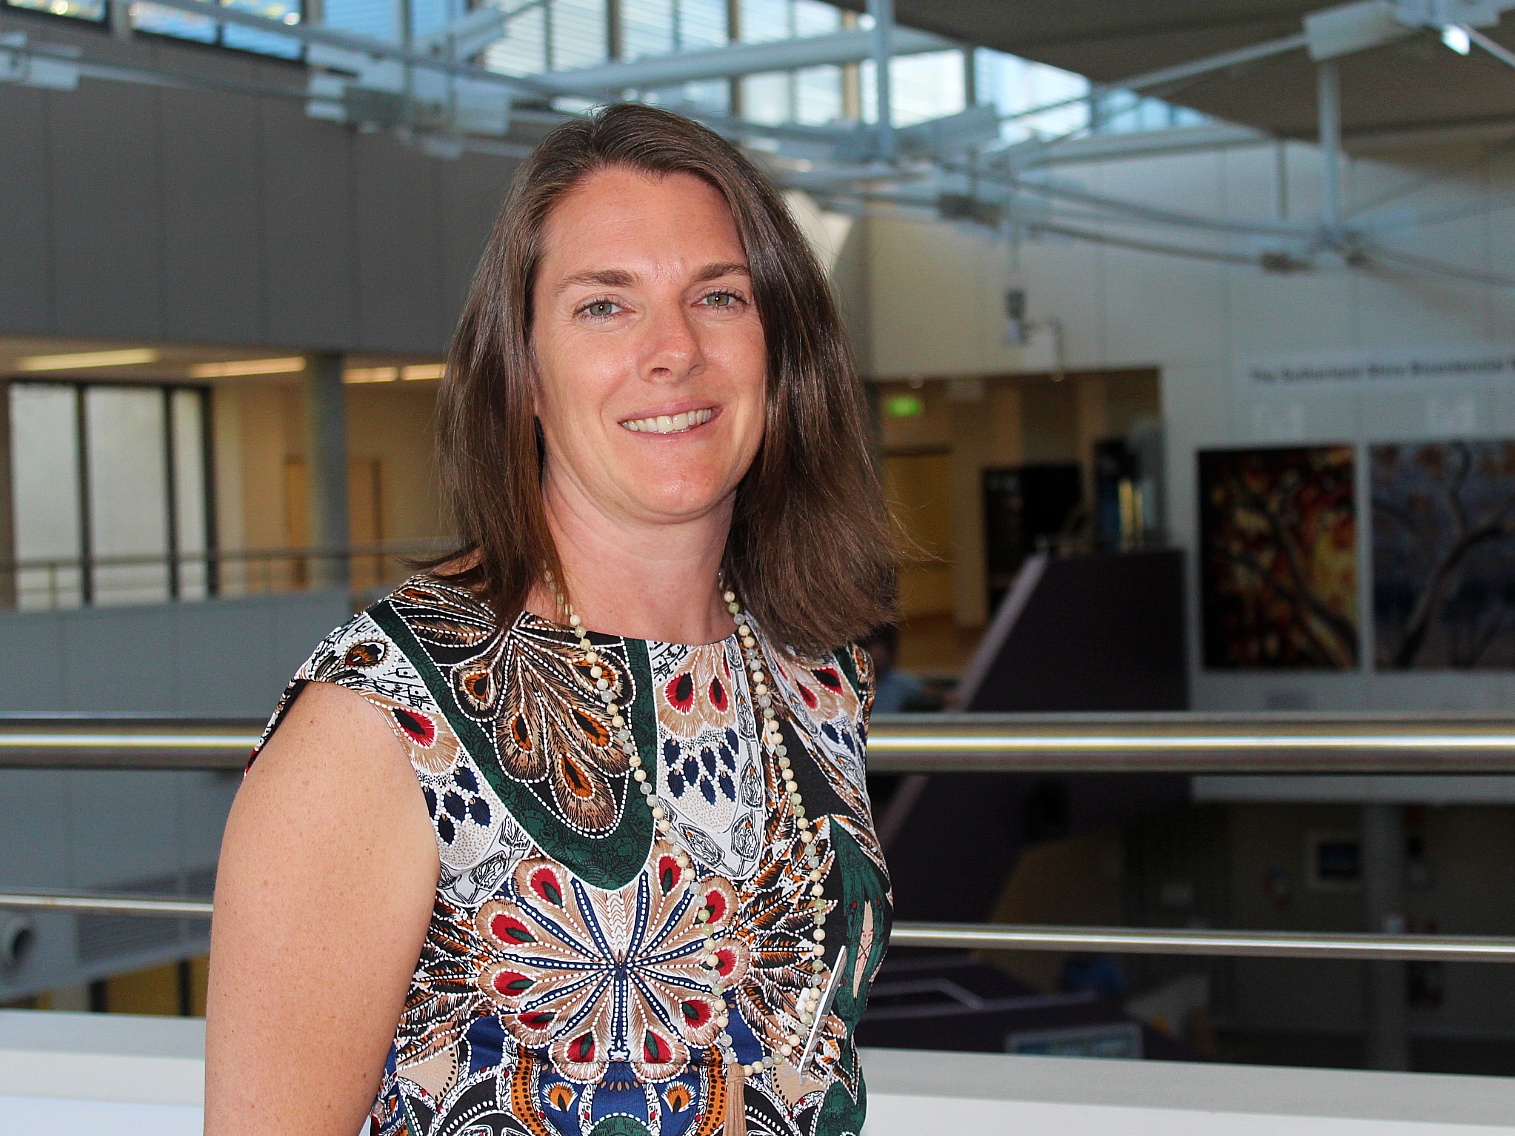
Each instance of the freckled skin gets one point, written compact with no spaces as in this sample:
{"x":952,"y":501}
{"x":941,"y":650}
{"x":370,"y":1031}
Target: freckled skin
{"x":606,"y":354}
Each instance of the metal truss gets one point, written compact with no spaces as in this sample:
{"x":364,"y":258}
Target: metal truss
{"x":432,"y":95}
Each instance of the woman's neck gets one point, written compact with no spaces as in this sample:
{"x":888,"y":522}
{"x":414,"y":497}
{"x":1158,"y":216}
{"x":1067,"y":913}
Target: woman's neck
{"x":641,"y":579}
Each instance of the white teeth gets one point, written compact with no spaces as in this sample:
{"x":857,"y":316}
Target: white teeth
{"x":670,"y":423}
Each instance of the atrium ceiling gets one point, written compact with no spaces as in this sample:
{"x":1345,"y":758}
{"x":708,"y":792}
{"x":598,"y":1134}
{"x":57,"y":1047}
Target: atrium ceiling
{"x":1416,"y":84}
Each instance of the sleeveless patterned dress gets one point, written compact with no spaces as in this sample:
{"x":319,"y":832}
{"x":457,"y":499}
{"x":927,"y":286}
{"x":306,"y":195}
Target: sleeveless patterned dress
{"x":559,"y":990}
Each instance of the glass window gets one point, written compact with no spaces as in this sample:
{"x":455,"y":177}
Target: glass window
{"x":925,"y":86}
{"x":818,"y":95}
{"x":1125,"y":112}
{"x":647,"y":28}
{"x":579,"y":34}
{"x":45,"y":485}
{"x":714,"y":94}
{"x":768,"y":98}
{"x":145,"y":503}
{"x":172,"y":22}
{"x":158,"y":20}
{"x":377,"y":18}
{"x":264,"y":43}
{"x":428,"y":17}
{"x":125,"y":437}
{"x":702,"y":24}
{"x":814,"y":18}
{"x":523,"y":51}
{"x":78,"y":9}
{"x":762,"y":20}
{"x":1014,"y":85}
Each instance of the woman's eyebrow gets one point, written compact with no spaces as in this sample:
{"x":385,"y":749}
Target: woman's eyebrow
{"x":620,"y":278}
{"x":599,"y":278}
{"x":721,"y":268}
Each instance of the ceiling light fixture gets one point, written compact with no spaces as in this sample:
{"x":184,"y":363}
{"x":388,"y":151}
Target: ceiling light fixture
{"x":239,"y":367}
{"x":1456,"y":37}
{"x":82,"y":359}
{"x":423,"y":371}
{"x":370,"y":374}
{"x":1350,"y":28}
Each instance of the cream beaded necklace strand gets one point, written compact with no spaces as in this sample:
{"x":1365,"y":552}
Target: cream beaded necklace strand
{"x":762,"y":696}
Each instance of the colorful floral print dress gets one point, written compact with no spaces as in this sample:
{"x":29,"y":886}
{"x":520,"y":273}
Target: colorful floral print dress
{"x":559,"y":990}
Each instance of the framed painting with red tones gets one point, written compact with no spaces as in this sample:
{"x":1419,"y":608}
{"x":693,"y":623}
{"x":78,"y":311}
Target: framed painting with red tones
{"x":1278,"y":558}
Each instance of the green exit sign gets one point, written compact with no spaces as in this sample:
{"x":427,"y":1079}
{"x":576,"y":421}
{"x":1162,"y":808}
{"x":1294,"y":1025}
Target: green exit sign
{"x":904,"y":406}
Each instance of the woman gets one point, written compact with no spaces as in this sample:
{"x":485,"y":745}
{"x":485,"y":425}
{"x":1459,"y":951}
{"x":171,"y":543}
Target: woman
{"x":602,"y":861}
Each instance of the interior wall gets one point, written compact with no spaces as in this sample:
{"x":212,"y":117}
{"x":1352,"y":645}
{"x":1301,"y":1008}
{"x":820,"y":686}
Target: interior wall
{"x":935,"y":293}
{"x":260,"y":448}
{"x":139,"y":212}
{"x":982,"y":423}
{"x":392,"y":424}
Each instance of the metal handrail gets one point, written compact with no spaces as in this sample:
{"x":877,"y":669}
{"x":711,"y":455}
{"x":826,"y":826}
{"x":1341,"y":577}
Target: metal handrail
{"x":1191,"y":743}
{"x":969,"y":936}
{"x":125,"y":741}
{"x":86,"y":903}
{"x":910,"y":743}
{"x":1228,"y":944}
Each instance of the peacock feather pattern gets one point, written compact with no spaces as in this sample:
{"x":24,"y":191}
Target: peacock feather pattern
{"x":559,"y":990}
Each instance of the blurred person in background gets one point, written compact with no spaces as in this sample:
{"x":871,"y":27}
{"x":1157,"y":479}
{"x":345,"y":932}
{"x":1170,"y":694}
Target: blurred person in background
{"x":895,"y":691}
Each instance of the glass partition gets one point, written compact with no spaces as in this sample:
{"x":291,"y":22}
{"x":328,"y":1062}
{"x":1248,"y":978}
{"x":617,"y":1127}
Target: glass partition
{"x":111,"y":493}
{"x":44,"y":448}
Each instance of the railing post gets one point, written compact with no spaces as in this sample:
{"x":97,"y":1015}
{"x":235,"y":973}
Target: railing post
{"x":1383,"y":889}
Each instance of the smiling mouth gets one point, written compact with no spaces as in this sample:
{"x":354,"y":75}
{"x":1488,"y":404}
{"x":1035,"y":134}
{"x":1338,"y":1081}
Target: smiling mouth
{"x":670,"y":423}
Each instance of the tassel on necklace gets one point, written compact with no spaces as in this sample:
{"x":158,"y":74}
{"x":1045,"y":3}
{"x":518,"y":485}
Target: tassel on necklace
{"x":736,"y":1103}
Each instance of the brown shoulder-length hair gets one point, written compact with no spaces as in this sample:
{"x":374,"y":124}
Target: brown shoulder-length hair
{"x":809,"y":552}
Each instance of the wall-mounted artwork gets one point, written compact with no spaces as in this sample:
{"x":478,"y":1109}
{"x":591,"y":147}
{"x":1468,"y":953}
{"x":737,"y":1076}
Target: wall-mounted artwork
{"x":1444,"y":554}
{"x":1278,"y":558}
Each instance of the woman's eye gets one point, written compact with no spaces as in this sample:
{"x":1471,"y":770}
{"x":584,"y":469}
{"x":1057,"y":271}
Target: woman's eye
{"x":722,"y":300}
{"x":600,"y":309}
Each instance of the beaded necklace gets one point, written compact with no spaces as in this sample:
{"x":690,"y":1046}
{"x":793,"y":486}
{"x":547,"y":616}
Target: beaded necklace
{"x":811,"y":998}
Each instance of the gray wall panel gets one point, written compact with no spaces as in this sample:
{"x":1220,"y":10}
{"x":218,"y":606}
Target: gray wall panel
{"x":204,"y":799}
{"x":212,"y":255}
{"x":31,"y":661}
{"x":26,"y":285}
{"x":139,"y":213}
{"x":229,"y":656}
{"x":106,"y":222}
{"x":124,"y":825}
{"x":119,"y":659}
{"x":399,"y":256}
{"x":472,"y":189}
{"x":307,"y":229}
{"x":265,"y":641}
{"x":33,"y":806}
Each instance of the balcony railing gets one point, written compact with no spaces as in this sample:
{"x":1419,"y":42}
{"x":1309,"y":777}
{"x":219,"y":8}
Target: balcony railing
{"x":47,"y":584}
{"x":964,"y":936}
{"x":1185,"y":743}
{"x":911,"y":743}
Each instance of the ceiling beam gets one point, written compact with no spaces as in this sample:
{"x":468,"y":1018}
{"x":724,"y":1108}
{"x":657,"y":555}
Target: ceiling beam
{"x":733,"y":60}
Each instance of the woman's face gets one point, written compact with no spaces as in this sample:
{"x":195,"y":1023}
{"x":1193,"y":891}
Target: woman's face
{"x":649,"y":353}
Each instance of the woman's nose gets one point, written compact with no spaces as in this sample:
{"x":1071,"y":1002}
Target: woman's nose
{"x":673,"y":346}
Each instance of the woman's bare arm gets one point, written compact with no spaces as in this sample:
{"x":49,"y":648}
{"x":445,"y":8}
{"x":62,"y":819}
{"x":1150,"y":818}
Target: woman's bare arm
{"x":323,"y":895}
